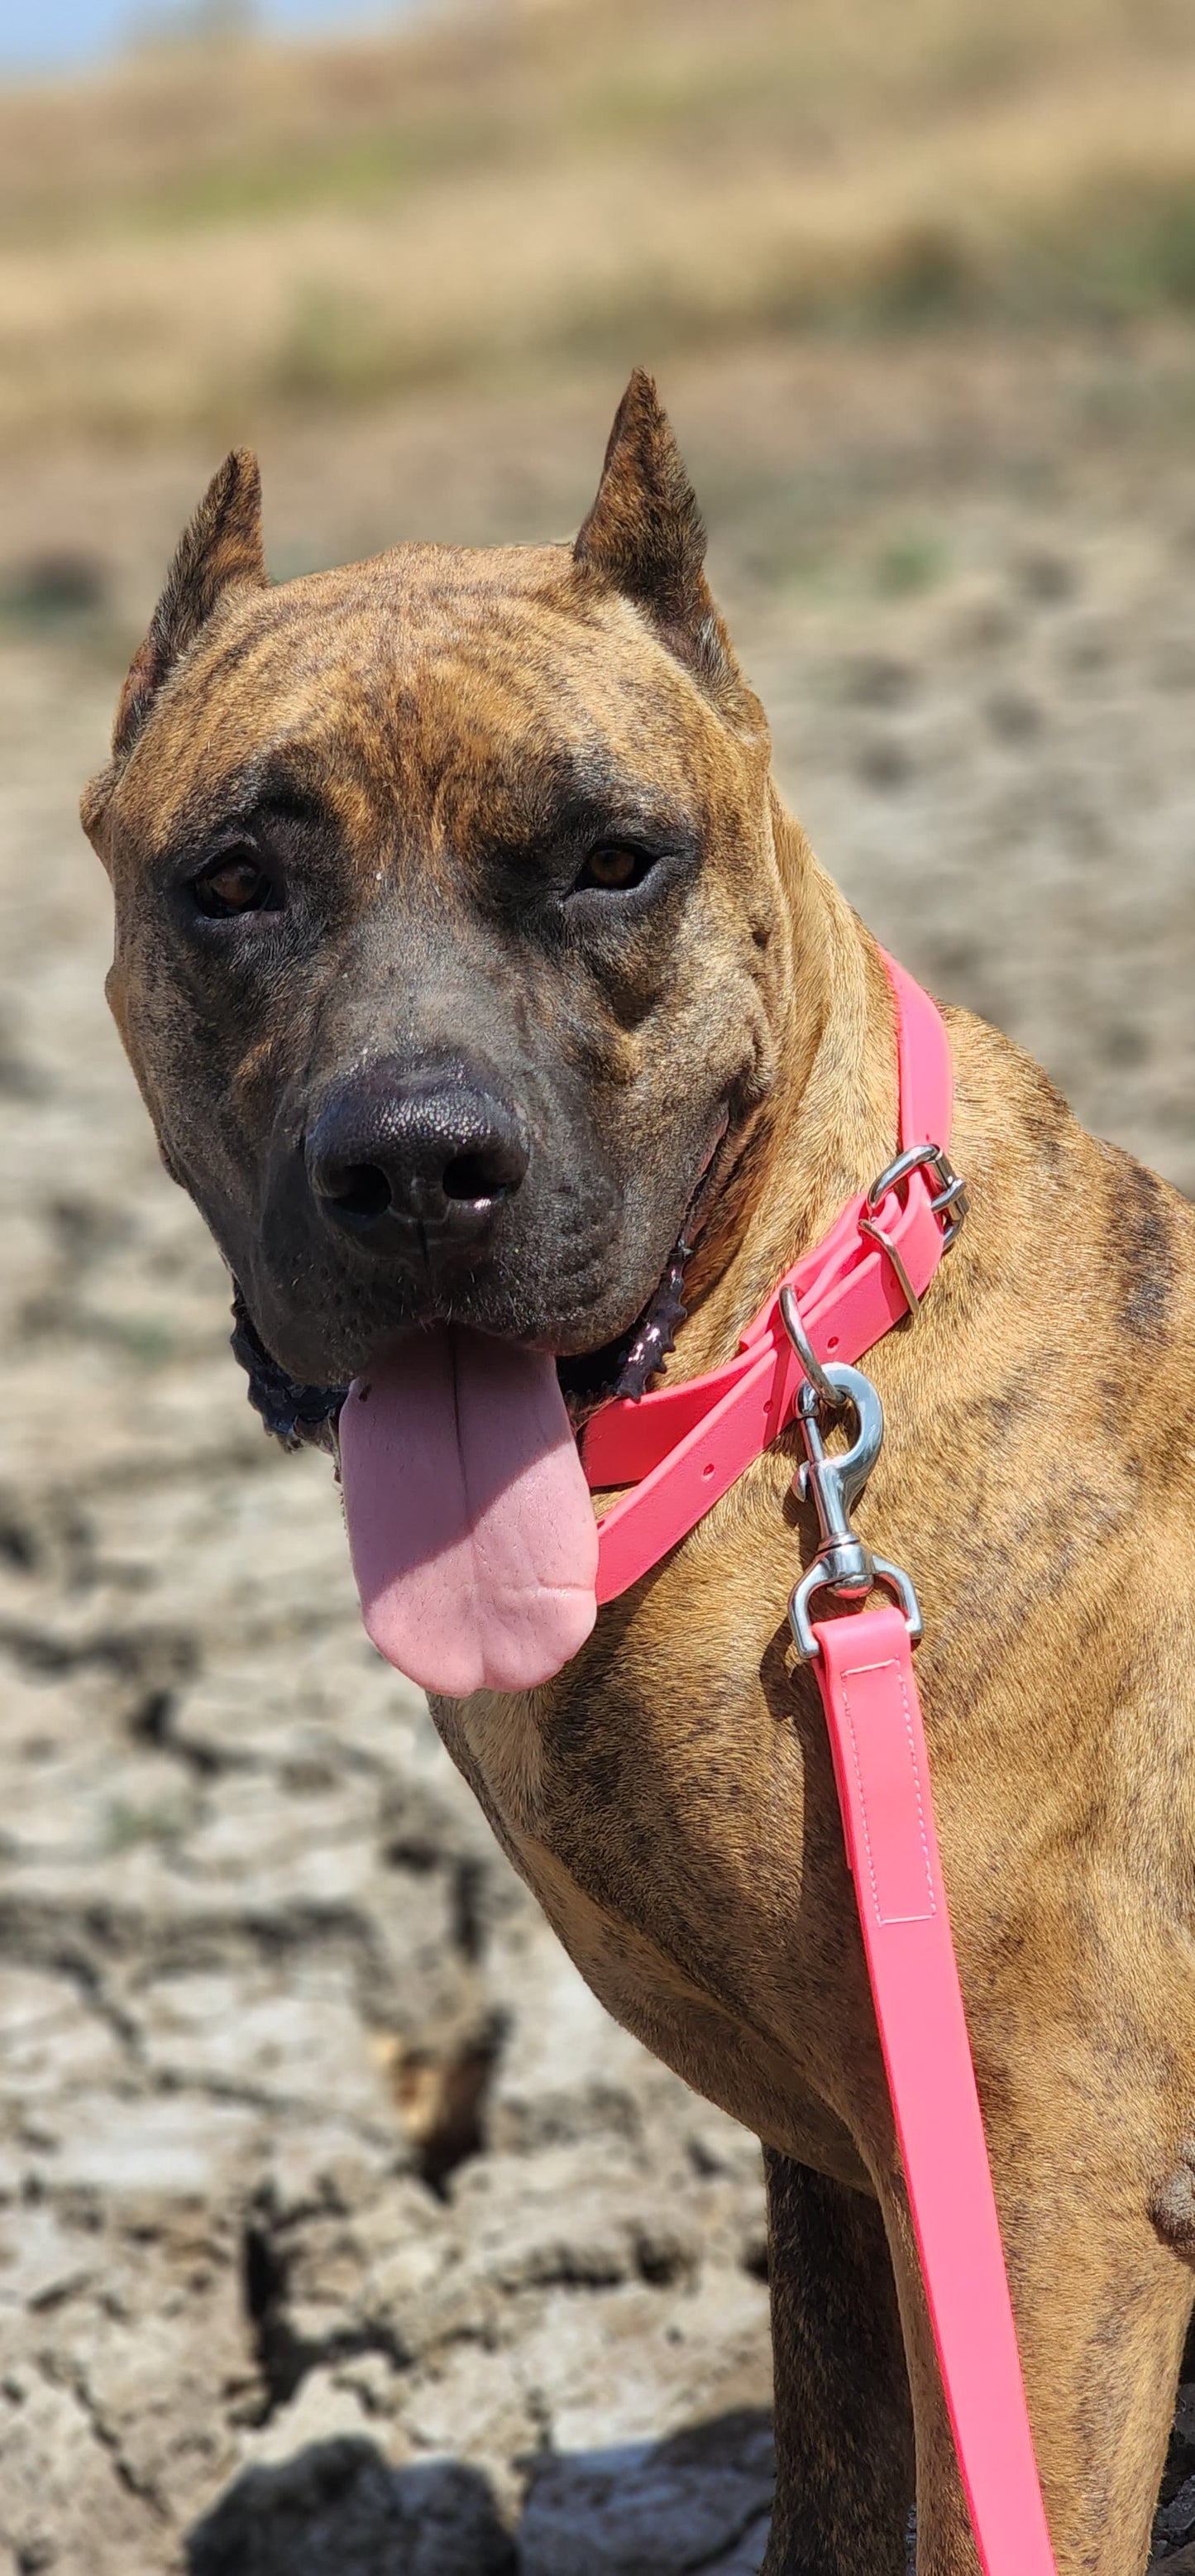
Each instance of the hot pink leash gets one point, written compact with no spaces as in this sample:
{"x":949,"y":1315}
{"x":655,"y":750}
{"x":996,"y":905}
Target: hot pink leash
{"x":864,"y":1668}
{"x":675,"y":1452}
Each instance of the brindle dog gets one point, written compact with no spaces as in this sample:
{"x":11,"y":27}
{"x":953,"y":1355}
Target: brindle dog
{"x":465,"y":957}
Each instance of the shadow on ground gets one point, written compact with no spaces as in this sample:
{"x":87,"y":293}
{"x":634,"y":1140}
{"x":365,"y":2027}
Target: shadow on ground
{"x":699,"y":2501}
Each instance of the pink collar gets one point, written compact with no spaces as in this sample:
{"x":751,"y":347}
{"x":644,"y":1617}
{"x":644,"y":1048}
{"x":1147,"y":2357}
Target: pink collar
{"x":682,"y":1448}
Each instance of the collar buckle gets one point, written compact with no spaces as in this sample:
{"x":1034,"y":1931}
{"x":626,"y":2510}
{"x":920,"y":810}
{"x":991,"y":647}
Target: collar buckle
{"x":949,"y":1202}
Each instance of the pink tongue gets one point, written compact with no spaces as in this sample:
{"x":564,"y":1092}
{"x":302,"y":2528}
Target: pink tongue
{"x":471,"y":1529}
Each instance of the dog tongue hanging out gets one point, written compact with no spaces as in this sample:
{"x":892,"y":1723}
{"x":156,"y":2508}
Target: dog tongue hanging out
{"x":472,"y":1532}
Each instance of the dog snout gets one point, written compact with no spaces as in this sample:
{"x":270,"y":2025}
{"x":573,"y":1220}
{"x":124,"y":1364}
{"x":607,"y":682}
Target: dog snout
{"x":396,"y":1158}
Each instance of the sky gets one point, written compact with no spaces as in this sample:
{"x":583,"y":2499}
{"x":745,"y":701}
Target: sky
{"x":57,"y":35}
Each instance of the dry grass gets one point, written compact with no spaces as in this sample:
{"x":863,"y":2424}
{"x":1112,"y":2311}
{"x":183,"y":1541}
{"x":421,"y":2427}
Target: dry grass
{"x":198,"y":240}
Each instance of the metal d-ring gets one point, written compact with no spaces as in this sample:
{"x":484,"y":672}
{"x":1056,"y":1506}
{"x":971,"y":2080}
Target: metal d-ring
{"x":790,"y":1316}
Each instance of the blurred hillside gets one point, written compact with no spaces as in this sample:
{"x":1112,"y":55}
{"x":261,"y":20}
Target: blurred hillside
{"x":206,"y":233}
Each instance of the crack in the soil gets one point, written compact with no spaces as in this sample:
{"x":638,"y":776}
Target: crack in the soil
{"x":74,"y":2379}
{"x":56,"y":1957}
{"x":283,"y":2359}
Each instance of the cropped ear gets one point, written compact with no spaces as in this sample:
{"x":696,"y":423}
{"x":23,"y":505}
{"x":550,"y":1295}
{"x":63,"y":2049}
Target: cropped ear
{"x":644,"y":535}
{"x":219,"y":549}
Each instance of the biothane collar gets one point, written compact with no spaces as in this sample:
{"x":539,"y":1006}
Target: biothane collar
{"x":680,"y":1449}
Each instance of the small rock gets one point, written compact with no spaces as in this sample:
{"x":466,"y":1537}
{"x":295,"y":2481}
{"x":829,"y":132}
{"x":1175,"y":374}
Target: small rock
{"x":654,"y":2511}
{"x":1176,"y":2520}
{"x":339,"y":2505}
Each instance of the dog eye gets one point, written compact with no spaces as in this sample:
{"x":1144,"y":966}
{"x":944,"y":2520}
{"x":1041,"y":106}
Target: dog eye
{"x":235,"y":884}
{"x":614,"y":868}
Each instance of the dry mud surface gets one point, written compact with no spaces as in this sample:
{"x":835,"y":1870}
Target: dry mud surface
{"x":339,"y":2229}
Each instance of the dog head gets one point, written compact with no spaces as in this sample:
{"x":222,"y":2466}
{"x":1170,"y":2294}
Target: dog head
{"x":447,"y":906}
{"x":444,"y":899}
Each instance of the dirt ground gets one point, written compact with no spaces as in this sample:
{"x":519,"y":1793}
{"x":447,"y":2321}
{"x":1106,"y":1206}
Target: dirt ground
{"x":339,"y":2228}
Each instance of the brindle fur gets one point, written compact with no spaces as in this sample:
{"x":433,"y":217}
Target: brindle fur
{"x":446,"y":729}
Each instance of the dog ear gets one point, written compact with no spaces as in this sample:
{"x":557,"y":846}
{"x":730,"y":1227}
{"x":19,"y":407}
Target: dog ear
{"x":220,"y":548}
{"x":644,"y":535}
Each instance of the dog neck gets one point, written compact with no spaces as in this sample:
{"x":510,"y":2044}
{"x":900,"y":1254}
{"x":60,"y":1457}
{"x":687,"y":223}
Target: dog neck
{"x":827,"y":1125}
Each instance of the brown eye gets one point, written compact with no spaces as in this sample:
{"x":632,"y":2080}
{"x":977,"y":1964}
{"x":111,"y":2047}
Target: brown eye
{"x":613,"y":867}
{"x":235,"y":884}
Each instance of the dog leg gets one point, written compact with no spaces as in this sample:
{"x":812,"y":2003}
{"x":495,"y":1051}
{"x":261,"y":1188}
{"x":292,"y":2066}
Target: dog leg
{"x":844,"y":2438}
{"x":1102,"y":2308}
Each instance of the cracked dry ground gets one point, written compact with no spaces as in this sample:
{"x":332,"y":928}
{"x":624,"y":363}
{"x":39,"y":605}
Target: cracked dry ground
{"x":339,"y":2229}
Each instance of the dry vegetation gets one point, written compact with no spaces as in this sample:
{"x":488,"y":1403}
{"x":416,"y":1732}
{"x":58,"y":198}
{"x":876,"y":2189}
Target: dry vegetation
{"x":199,"y":234}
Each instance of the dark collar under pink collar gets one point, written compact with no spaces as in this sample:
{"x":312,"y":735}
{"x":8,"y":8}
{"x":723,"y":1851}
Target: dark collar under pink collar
{"x":681,"y":1449}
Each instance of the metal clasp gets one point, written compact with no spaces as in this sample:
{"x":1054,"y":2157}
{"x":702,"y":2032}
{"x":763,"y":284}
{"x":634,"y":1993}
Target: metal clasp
{"x":833,"y":1481}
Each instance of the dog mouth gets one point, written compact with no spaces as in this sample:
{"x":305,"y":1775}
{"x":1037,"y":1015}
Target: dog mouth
{"x":300,"y":1414}
{"x":469,"y":1517}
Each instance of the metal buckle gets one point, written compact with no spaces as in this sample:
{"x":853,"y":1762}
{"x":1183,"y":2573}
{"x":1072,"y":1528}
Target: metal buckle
{"x":950,"y":1203}
{"x":844,"y":1566}
{"x":952,"y":1188}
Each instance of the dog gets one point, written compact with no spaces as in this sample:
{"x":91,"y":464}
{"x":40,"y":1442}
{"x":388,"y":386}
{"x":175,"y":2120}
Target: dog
{"x":512,"y":1042}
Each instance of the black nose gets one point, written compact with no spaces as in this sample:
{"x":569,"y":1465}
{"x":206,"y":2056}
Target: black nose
{"x":398,"y":1158}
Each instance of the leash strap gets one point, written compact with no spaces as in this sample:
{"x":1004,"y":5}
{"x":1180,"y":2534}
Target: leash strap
{"x":678,"y":1451}
{"x":864,"y":1669}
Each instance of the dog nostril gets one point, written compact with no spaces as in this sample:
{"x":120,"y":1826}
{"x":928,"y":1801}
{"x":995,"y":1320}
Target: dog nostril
{"x":470,"y":1176}
{"x":361,"y":1190}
